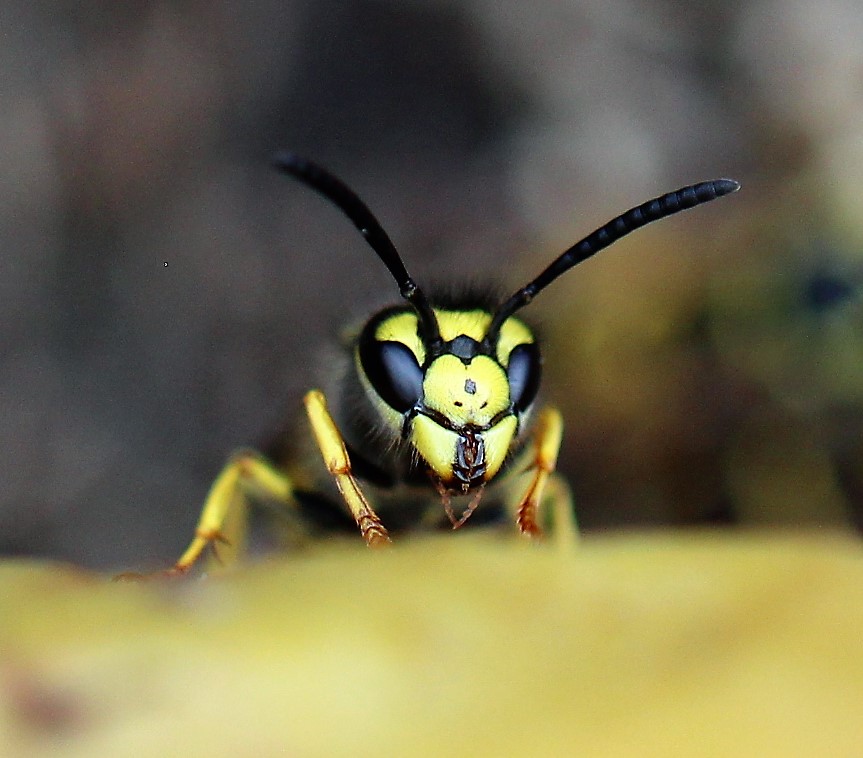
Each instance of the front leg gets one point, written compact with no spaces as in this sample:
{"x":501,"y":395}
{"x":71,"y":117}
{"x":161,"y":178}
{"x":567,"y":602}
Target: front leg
{"x":335,"y":455}
{"x":546,"y":445}
{"x":224,"y":515}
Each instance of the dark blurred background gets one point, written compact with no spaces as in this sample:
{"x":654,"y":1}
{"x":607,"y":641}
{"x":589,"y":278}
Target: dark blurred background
{"x":710,"y":367}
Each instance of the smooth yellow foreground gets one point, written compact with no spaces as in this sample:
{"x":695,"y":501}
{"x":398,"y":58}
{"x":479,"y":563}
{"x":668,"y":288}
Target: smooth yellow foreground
{"x":688,"y":644}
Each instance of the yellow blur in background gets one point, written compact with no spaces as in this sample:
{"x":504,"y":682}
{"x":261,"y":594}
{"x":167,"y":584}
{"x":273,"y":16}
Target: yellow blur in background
{"x":684,"y":643}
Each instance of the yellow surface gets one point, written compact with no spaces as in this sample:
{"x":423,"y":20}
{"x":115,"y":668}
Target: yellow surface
{"x":642,"y":645}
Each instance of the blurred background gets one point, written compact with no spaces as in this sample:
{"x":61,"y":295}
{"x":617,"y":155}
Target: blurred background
{"x":164,"y":293}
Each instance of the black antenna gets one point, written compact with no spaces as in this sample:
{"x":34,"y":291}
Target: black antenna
{"x":332,"y":188}
{"x":634,"y":218}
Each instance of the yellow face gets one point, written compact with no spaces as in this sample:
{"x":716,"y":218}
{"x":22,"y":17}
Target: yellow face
{"x":473,"y":400}
{"x":458,"y":411}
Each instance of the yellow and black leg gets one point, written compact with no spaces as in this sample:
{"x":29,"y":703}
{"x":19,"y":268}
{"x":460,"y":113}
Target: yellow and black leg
{"x":545,"y":484}
{"x":335,"y":455}
{"x":224,"y":516}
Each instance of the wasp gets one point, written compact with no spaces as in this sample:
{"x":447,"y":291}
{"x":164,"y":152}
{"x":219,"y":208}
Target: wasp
{"x":435,"y":400}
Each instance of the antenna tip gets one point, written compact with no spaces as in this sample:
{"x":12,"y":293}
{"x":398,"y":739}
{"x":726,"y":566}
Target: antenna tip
{"x":725,"y":186}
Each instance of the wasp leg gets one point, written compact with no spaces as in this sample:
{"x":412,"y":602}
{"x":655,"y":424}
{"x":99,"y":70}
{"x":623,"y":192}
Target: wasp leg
{"x":335,"y":455}
{"x":223,"y":517}
{"x":546,"y":445}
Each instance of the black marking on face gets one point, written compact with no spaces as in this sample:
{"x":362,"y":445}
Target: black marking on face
{"x":464,"y":348}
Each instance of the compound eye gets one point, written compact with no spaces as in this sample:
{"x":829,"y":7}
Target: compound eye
{"x":394,"y":373}
{"x":523,"y":372}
